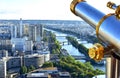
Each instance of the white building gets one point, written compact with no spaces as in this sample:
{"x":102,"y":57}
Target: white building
{"x":27,"y":60}
{"x":38,"y":75}
{"x":46,"y":55}
{"x":35,"y":60}
{"x":32,"y":32}
{"x":39,"y":32}
{"x":36,"y":32}
{"x":18,"y":44}
{"x":3,"y":69}
{"x":13,"y":31}
{"x":21,"y":28}
{"x":25,"y":29}
{"x":29,"y":45}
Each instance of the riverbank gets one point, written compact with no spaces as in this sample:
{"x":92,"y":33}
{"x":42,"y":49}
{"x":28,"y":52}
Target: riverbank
{"x":72,"y":50}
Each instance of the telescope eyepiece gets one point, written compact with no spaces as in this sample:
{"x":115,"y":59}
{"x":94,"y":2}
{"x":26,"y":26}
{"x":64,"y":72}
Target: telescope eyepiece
{"x":113,"y":6}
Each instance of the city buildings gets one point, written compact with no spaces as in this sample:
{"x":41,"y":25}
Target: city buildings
{"x":18,"y":44}
{"x":35,"y":60}
{"x":17,"y":30}
{"x":32,"y":32}
{"x":5,"y":44}
{"x":21,"y":28}
{"x":28,"y":45}
{"x":13,"y":63}
{"x":16,"y":47}
{"x":5,"y":32}
{"x":36,"y":32}
{"x":46,"y":55}
{"x":3,"y":69}
{"x":14,"y":31}
{"x":3,"y":53}
{"x":26,"y":30}
{"x":27,"y":60}
{"x":50,"y":72}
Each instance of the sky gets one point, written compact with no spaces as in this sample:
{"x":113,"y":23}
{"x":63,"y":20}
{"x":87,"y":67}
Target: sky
{"x":45,"y":9}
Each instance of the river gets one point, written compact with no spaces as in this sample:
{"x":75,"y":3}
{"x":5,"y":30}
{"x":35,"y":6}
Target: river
{"x":72,"y":50}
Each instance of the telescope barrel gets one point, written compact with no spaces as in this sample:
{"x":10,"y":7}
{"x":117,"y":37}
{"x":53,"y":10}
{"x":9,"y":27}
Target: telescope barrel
{"x":87,"y":13}
{"x":107,"y":29}
{"x":107,"y":26}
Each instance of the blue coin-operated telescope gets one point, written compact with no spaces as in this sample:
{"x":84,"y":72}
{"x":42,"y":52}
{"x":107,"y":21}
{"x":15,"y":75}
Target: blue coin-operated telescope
{"x":107,"y":30}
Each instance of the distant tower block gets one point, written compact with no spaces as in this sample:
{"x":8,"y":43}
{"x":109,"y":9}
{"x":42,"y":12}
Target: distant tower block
{"x":41,"y":30}
{"x":14,"y":31}
{"x":21,"y":28}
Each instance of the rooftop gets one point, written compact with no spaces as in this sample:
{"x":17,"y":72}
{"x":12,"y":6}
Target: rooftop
{"x":40,"y":75}
{"x":64,"y":73}
{"x":50,"y":70}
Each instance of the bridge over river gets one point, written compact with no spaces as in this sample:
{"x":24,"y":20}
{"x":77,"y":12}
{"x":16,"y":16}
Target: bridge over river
{"x":56,"y":56}
{"x":77,"y":57}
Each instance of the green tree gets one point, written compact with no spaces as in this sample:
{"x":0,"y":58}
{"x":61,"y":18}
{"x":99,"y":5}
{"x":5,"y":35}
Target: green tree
{"x":45,"y":39}
{"x":77,"y":68}
{"x":47,"y":64}
{"x":54,"y":45}
{"x":73,"y":41}
{"x":74,"y":74}
{"x":31,"y":68}
{"x":53,"y":51}
{"x":57,"y":44}
{"x":98,"y":72}
{"x":23,"y":70}
{"x":88,"y":65}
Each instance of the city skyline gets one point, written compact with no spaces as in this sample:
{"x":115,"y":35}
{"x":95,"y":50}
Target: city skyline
{"x":45,"y":9}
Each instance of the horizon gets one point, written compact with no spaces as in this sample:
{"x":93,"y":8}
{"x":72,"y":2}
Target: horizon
{"x":39,"y":20}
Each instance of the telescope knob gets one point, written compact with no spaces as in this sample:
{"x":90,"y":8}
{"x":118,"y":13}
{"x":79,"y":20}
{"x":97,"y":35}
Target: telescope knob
{"x":96,"y":52}
{"x":117,"y":12}
{"x":113,"y":6}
